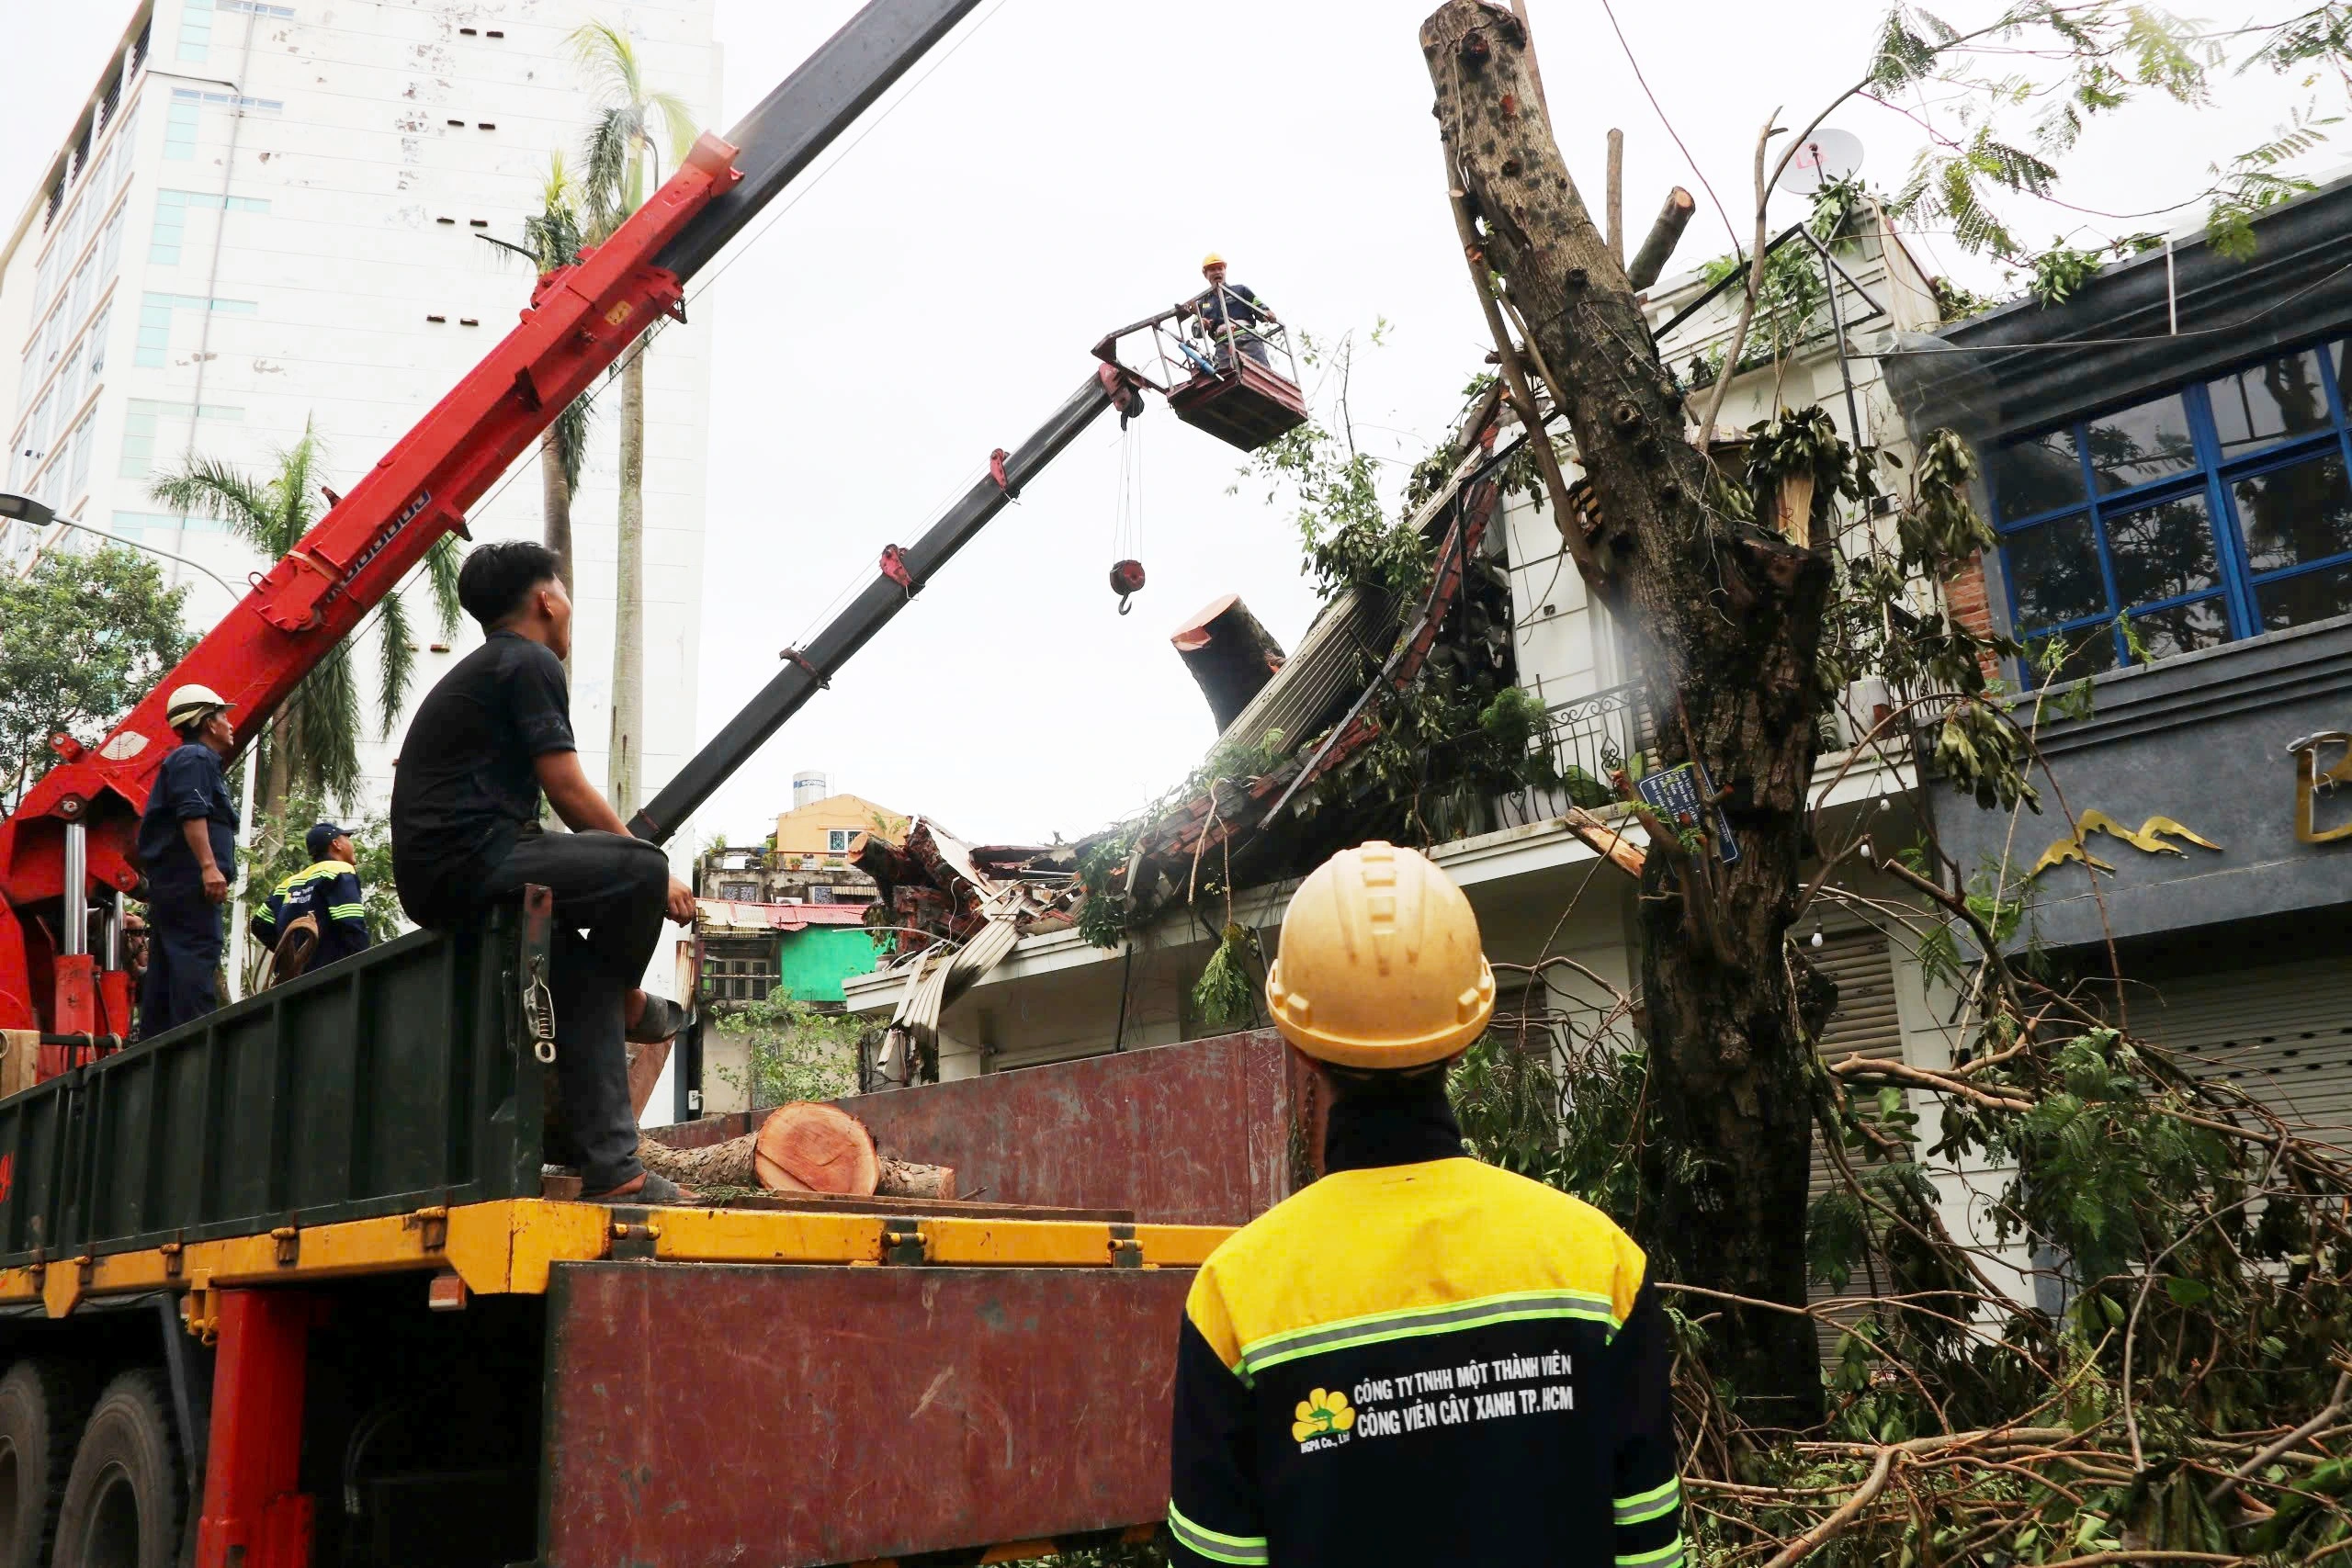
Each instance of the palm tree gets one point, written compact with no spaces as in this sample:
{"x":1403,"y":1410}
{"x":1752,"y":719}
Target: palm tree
{"x":552,"y":239}
{"x":622,"y":156}
{"x":312,"y":745}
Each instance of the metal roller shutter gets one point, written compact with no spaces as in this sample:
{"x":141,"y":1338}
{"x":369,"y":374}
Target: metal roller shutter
{"x":2282,"y":1033}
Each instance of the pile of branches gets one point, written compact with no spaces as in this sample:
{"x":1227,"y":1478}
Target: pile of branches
{"x":2168,"y":1379}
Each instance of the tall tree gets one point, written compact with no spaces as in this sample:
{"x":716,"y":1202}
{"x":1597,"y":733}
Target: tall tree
{"x":82,"y":638}
{"x":313,"y":743}
{"x":1743,"y":634}
{"x":623,"y":158}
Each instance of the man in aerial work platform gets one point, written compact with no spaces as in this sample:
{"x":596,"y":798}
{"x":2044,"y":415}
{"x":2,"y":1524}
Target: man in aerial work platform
{"x":485,"y":742}
{"x":319,"y":914}
{"x":1420,"y":1359}
{"x":187,"y":846}
{"x":1229,"y":313}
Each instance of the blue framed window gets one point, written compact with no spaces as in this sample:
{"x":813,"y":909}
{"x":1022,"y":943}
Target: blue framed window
{"x":2218,"y":511}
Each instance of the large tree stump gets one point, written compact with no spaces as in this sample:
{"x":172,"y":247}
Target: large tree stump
{"x":801,"y":1147}
{"x":1230,"y":654}
{"x":813,"y":1147}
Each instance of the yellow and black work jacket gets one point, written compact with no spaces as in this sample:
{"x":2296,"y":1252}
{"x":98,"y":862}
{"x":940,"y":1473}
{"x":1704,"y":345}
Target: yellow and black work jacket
{"x":1421,"y":1360}
{"x":327,"y":890}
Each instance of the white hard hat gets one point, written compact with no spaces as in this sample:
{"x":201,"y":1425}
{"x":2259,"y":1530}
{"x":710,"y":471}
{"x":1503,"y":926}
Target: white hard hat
{"x":191,"y":703}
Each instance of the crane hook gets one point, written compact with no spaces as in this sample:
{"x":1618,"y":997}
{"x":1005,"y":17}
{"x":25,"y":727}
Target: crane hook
{"x":1126,"y":581}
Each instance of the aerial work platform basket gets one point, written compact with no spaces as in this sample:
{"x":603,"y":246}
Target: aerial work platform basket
{"x":1237,"y":382}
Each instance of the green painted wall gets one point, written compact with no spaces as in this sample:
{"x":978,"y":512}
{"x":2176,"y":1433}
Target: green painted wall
{"x":813,"y":963}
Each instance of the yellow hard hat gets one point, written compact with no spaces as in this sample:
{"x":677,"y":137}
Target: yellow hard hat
{"x":1210,"y":260}
{"x":1380,"y":965}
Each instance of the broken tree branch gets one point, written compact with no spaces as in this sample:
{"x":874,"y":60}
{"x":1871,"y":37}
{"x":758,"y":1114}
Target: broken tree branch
{"x":1755,"y":289}
{"x":1514,"y":377}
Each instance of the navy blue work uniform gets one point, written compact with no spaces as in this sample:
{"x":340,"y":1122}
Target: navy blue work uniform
{"x":183,"y":927}
{"x":328,"y":892}
{"x":1230,"y":312}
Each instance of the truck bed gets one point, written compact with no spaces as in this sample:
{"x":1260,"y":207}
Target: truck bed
{"x":789,"y":1382}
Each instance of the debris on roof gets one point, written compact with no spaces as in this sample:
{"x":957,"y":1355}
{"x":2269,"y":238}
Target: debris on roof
{"x":959,"y":910}
{"x":1317,"y":710}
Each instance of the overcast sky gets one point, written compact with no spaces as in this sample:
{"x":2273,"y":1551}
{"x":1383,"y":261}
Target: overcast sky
{"x":1056,"y":170}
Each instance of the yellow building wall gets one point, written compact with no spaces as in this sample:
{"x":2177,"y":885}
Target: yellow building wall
{"x":809,"y":830}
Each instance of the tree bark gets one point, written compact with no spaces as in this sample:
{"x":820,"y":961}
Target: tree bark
{"x":1230,"y":654}
{"x":629,"y":596}
{"x":555,"y":505}
{"x":713,"y":1164}
{"x":904,"y":1178}
{"x":1728,"y":617}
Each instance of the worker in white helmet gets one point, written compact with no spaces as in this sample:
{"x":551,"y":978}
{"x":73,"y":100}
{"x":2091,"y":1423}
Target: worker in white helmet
{"x":1230,"y":314}
{"x":187,"y":847}
{"x":1420,"y":1359}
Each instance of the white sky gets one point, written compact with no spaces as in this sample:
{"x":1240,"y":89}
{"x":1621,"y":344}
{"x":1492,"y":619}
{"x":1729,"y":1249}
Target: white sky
{"x":1058,"y":175}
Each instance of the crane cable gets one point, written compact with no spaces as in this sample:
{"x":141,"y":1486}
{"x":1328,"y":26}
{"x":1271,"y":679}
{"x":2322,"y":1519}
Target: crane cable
{"x":1126,"y":520}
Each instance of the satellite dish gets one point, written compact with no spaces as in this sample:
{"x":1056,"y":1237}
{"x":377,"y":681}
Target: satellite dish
{"x":1826,"y":157}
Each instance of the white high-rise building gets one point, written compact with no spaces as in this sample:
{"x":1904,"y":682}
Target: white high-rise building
{"x":273,"y":217}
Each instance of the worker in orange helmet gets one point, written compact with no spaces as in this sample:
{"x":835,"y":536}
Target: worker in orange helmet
{"x":1420,"y":1359}
{"x":1230,"y":314}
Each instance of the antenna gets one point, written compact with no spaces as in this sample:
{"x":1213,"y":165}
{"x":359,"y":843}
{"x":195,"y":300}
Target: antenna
{"x":1828,"y":156}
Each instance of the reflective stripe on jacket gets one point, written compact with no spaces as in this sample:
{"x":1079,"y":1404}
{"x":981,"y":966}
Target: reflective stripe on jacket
{"x":1427,"y":1361}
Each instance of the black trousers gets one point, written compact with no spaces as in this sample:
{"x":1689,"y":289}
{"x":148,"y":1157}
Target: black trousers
{"x":183,"y":978}
{"x":610,"y":896}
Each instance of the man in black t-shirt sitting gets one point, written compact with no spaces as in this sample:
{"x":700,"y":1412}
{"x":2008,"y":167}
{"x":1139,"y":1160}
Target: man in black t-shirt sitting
{"x":493,"y":735}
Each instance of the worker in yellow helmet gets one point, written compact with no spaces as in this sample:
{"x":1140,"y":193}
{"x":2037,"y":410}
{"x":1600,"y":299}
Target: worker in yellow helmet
{"x":1230,"y":315}
{"x":1420,"y":1359}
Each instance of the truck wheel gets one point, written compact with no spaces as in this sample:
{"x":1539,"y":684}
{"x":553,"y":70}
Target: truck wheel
{"x":42,"y":1403}
{"x":123,"y":1502}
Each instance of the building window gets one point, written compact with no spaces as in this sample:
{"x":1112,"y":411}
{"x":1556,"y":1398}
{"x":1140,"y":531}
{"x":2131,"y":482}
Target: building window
{"x":77,"y":461}
{"x":739,"y":969}
{"x":111,"y":242}
{"x":97,"y":339}
{"x":180,"y":126}
{"x":139,"y":525}
{"x":141,"y":428}
{"x":155,"y":320}
{"x":837,"y":840}
{"x":170,"y":219}
{"x":196,"y":31}
{"x":739,"y":891}
{"x":2220,"y":511}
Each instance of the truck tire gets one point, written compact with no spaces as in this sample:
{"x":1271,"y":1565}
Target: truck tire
{"x":125,"y":1500}
{"x":42,"y":1403}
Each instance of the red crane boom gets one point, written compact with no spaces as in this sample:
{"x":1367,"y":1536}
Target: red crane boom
{"x":580,"y":321}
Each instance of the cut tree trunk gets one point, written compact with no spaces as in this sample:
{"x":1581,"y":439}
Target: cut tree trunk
{"x":787,"y":1153}
{"x":904,"y":1178}
{"x":1230,"y":654}
{"x":713,"y":1164}
{"x":629,"y":596}
{"x":1728,"y":617}
{"x":815,"y":1147}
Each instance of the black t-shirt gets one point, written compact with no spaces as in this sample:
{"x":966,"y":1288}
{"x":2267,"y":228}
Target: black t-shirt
{"x":464,"y":789}
{"x":190,"y":788}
